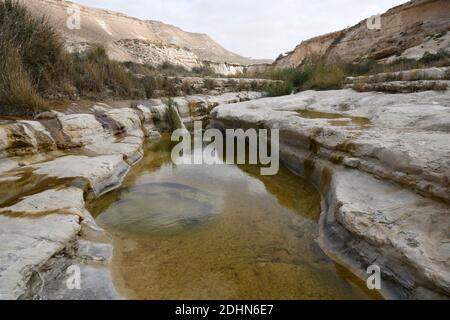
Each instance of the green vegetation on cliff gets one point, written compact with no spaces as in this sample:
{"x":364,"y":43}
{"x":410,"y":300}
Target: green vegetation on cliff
{"x":318,"y":73}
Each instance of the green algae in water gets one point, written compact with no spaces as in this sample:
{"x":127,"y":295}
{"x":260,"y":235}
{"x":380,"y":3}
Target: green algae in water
{"x":335,"y":119}
{"x":235,"y":234}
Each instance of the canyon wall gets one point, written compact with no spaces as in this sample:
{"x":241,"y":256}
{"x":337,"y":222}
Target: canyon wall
{"x":417,"y":26}
{"x":315,"y":46}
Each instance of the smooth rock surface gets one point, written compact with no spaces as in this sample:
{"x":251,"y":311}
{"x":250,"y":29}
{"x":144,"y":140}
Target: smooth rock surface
{"x":49,"y":165}
{"x":382,"y":163}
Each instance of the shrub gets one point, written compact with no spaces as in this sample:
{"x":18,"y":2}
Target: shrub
{"x":243,"y":86}
{"x":169,"y":87}
{"x":254,"y":85}
{"x":447,"y":75}
{"x":17,"y":94}
{"x":325,"y":76}
{"x":279,"y":89}
{"x":94,"y":73}
{"x":172,"y":70}
{"x":39,"y":46}
{"x":149,"y":83}
{"x":231,"y":83}
{"x":209,"y":84}
{"x":363,"y":67}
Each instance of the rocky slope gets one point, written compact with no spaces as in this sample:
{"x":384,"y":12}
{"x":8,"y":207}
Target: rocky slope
{"x":381,"y":162}
{"x":408,"y":30}
{"x":131,"y":39}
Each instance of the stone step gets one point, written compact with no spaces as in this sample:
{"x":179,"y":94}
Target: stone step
{"x":442,"y":73}
{"x":401,"y":86}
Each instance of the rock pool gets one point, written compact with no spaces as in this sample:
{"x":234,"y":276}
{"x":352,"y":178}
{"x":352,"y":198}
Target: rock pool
{"x":218,"y":232}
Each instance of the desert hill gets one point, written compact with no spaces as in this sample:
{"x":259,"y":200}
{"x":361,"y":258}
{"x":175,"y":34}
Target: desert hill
{"x":132,"y":39}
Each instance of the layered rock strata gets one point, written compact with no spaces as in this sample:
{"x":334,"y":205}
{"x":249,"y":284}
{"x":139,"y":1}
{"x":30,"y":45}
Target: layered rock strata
{"x":49,"y":167}
{"x":382,"y":164}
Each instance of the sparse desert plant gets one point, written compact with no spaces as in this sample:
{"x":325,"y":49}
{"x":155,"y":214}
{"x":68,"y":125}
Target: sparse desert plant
{"x":33,"y":59}
{"x":324,"y":75}
{"x":243,"y":86}
{"x":447,"y":74}
{"x":231,"y":83}
{"x":439,"y":86}
{"x":186,"y":87}
{"x":94,"y":73}
{"x":150,"y":85}
{"x":17,"y":94}
{"x":203,"y":71}
{"x":279,"y":89}
{"x":169,"y":87}
{"x":172,"y":70}
{"x":39,"y":46}
{"x":254,"y":85}
{"x":209,"y":84}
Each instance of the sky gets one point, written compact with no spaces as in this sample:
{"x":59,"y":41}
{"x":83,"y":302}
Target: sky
{"x":253,"y":28}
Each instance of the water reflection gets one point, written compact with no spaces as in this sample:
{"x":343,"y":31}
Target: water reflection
{"x":218,"y":232}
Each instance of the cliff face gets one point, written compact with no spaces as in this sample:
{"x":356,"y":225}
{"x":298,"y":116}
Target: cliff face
{"x":131,"y":39}
{"x":314,"y":46}
{"x":404,"y":27}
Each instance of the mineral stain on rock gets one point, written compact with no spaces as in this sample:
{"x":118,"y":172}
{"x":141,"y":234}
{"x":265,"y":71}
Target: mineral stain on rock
{"x":335,"y":119}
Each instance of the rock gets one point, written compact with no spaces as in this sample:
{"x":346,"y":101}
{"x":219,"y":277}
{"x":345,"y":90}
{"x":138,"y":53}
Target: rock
{"x":89,"y":250}
{"x":408,"y":39}
{"x":43,"y":234}
{"x":83,"y":129}
{"x":96,"y":284}
{"x":148,"y":42}
{"x":46,"y":115}
{"x":104,"y":173}
{"x":407,"y":75}
{"x":382,"y":166}
{"x":351,"y":162}
{"x":34,"y":230}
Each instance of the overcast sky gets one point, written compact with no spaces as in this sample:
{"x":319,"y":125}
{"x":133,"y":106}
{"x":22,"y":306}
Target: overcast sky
{"x":253,"y":28}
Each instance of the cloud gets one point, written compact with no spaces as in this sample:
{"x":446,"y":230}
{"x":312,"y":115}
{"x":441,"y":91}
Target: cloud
{"x":253,"y":28}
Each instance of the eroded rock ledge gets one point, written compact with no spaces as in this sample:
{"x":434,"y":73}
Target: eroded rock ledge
{"x":49,"y":167}
{"x":382,"y":164}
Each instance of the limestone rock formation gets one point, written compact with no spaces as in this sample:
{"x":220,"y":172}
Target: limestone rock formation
{"x":130,"y":39}
{"x":49,"y":167}
{"x":381,"y":163}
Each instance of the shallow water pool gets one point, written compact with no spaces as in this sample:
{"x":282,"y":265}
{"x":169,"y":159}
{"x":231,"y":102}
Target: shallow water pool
{"x":218,"y":232}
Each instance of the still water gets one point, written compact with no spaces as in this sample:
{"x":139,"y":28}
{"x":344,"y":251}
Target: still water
{"x":218,"y":232}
